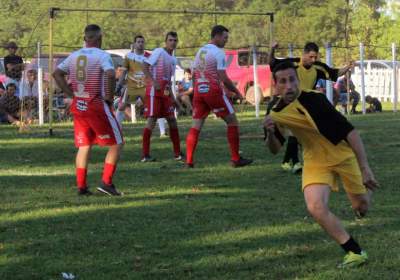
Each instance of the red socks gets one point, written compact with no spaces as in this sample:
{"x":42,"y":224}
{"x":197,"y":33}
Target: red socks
{"x":108,"y":173}
{"x":81,"y":178}
{"x":233,"y":139}
{"x":191,"y":143}
{"x":174,"y":135}
{"x":146,"y":142}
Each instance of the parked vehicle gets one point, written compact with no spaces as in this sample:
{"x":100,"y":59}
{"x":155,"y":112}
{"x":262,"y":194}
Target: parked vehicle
{"x":240,"y":71}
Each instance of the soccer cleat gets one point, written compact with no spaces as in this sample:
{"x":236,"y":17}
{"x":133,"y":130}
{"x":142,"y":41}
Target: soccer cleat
{"x":180,"y":157}
{"x":241,"y":162}
{"x":147,"y":159}
{"x":108,"y":189}
{"x":163,"y":135}
{"x":352,"y":259}
{"x":287,"y":166}
{"x":84,"y":191}
{"x":297,"y":168}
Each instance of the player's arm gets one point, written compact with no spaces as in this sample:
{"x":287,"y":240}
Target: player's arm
{"x":121,"y":80}
{"x":356,"y":144}
{"x":59,"y":77}
{"x":149,"y":77}
{"x":346,"y":68}
{"x":274,"y":139}
{"x":110,"y":86}
{"x":223,"y":77}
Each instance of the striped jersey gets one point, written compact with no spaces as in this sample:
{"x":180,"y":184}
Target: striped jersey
{"x":162,"y":65}
{"x":86,"y":69}
{"x":209,"y":59}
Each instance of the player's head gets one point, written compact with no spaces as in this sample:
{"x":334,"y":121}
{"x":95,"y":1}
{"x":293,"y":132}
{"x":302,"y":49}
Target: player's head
{"x":171,"y":40}
{"x":11,"y":88}
{"x":93,"y":35}
{"x":368,"y":99}
{"x":219,"y":35}
{"x":310,"y":54}
{"x":138,"y":42}
{"x":286,"y":81}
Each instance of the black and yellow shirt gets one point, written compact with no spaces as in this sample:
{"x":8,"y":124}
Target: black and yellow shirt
{"x":309,"y":77}
{"x":319,"y":128}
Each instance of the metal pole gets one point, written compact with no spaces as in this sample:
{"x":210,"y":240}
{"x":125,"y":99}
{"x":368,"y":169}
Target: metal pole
{"x":329,"y":89}
{"x":394,"y":78}
{"x":155,"y":11}
{"x":290,"y":46}
{"x":40,"y":84}
{"x":362,"y":78}
{"x":174,"y":85}
{"x":255,"y":85}
{"x":51,"y":82}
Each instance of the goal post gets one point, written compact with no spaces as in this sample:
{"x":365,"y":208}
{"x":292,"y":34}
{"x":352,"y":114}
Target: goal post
{"x":53,"y":11}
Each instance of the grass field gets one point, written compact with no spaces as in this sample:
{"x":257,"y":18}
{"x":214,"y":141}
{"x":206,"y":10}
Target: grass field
{"x":212,"y":222}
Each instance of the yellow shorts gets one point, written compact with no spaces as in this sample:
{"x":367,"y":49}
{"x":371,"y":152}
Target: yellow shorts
{"x":133,"y":93}
{"x":348,"y":171}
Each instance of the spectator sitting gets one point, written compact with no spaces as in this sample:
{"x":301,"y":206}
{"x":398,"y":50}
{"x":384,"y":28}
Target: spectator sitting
{"x":185,"y":91}
{"x":10,"y":105}
{"x":354,"y":96}
{"x":374,"y":104}
{"x":29,"y":94}
{"x":13,"y":63}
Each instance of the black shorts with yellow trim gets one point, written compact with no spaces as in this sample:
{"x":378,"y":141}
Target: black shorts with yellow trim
{"x":348,"y":171}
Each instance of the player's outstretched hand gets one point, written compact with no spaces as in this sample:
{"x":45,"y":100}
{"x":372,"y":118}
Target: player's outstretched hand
{"x":275,"y":45}
{"x":369,"y":180}
{"x":269,"y":124}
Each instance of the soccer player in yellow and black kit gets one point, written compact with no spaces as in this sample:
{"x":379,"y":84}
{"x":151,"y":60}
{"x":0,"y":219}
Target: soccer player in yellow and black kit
{"x":332,"y":148}
{"x":309,"y":71}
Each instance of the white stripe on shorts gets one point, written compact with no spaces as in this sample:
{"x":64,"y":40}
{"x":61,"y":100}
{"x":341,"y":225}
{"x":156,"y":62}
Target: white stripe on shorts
{"x":228,"y":104}
{"x":114,"y":124}
{"x":152,"y":102}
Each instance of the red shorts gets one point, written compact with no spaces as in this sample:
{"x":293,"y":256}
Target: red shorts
{"x":158,"y":105}
{"x":99,"y":127}
{"x":218,"y":103}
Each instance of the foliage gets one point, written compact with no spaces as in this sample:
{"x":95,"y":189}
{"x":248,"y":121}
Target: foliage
{"x":295,"y":22}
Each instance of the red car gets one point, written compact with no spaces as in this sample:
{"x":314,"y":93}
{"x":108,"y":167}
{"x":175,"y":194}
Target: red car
{"x":240,"y":71}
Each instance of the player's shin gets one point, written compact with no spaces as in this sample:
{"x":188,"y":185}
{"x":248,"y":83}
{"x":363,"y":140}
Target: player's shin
{"x":233,"y":139}
{"x":191,"y":143}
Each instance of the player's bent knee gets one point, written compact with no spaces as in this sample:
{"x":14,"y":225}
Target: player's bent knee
{"x":317,"y":209}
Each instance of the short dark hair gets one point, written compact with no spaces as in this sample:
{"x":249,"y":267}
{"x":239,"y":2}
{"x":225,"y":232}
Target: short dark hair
{"x":187,"y":70}
{"x":283,"y":66}
{"x":92,"y":31}
{"x":311,"y":47}
{"x":218,"y":30}
{"x":172,"y":34}
{"x":138,"y":37}
{"x":11,"y":85}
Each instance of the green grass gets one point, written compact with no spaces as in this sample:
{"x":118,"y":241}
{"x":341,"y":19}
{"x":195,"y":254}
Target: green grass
{"x":212,"y":222}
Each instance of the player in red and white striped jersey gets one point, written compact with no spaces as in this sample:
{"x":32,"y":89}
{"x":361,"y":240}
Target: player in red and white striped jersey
{"x":209,"y":77}
{"x":92,"y":77}
{"x":160,"y":101}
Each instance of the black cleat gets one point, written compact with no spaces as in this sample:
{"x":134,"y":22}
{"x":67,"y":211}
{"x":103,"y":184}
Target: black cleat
{"x":180,"y":157}
{"x":108,"y":189}
{"x":147,"y":159}
{"x":84,"y":191}
{"x":241,"y":162}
